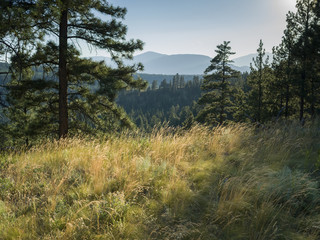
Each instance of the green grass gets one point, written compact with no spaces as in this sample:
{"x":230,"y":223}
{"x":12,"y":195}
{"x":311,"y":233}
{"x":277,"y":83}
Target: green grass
{"x":234,"y":182}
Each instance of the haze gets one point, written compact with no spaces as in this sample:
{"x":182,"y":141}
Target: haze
{"x":197,"y":27}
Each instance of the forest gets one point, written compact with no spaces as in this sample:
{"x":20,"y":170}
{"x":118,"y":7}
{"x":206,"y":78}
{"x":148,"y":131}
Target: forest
{"x":91,"y":151}
{"x":91,"y":97}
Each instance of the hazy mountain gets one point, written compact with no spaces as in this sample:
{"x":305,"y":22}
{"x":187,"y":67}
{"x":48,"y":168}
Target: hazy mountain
{"x":246,"y":60}
{"x":155,"y":63}
{"x":148,"y":56}
{"x":171,"y":64}
{"x":241,"y":69}
{"x":187,"y":64}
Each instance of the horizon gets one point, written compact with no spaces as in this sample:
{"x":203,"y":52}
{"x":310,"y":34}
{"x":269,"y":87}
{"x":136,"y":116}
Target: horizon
{"x":188,"y":27}
{"x":195,"y":54}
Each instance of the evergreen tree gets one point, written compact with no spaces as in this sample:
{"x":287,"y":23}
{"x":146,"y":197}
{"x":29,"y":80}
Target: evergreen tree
{"x":86,"y":90}
{"x":303,"y":52}
{"x":20,"y":33}
{"x":257,"y":81}
{"x":284,"y":65}
{"x":182,"y":83}
{"x":315,"y":77}
{"x":76,"y":20}
{"x":196,"y":81}
{"x":164,"y":84}
{"x":154,"y":85}
{"x":216,"y":99}
{"x":176,"y":82}
{"x":186,"y":117}
{"x":241,"y":106}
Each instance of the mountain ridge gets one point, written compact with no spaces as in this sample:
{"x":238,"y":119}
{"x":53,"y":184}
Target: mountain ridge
{"x":158,"y":63}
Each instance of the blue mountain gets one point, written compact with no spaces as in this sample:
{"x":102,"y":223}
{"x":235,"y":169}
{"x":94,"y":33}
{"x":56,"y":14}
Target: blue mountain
{"x":187,"y":64}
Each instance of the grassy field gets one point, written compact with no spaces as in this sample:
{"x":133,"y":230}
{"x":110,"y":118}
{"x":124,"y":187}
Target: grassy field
{"x":235,"y":182}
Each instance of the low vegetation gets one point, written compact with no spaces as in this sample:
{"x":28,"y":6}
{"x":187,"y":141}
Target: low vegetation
{"x":235,"y":182}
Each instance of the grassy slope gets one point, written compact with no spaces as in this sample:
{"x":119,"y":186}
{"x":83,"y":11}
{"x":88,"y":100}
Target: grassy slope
{"x":228,"y":183}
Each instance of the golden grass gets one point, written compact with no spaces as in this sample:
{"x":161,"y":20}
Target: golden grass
{"x":234,"y":182}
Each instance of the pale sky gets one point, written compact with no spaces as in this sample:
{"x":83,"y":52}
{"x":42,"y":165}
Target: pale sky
{"x":198,"y":26}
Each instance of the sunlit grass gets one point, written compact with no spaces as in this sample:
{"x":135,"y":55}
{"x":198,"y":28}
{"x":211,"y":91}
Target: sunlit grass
{"x":234,"y":182}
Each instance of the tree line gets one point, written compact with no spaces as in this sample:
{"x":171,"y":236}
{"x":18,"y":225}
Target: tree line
{"x":286,"y":87}
{"x":47,"y":90}
{"x":172,"y":102}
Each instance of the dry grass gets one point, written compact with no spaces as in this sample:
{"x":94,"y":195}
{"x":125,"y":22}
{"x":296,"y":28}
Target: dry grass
{"x":234,"y":182}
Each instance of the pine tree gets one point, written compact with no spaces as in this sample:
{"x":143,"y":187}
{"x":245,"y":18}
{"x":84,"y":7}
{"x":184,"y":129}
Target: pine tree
{"x":175,"y":82}
{"x":196,"y":81}
{"x":315,"y":77}
{"x":86,"y":90}
{"x":154,"y":85}
{"x":182,"y":83}
{"x":20,"y":33}
{"x":164,"y":84}
{"x":284,"y":65}
{"x":76,"y":20}
{"x":257,"y":81}
{"x":296,"y":60}
{"x":303,"y":52}
{"x":186,"y":117}
{"x":216,"y":99}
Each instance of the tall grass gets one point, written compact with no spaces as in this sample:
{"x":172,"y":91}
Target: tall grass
{"x":235,"y":182}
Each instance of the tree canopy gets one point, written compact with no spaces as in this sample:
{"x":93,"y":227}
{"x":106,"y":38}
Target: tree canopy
{"x":71,"y":93}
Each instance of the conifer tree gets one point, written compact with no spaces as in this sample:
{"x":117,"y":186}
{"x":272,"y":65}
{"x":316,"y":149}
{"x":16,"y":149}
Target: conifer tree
{"x":182,"y":83}
{"x":315,"y":77}
{"x":76,"y":20}
{"x":154,"y":85}
{"x":303,"y":52}
{"x":216,"y":99}
{"x":86,"y":90}
{"x":19,"y":35}
{"x":175,"y":82}
{"x":196,"y":81}
{"x":284,"y":67}
{"x":257,"y":81}
{"x":296,"y":60}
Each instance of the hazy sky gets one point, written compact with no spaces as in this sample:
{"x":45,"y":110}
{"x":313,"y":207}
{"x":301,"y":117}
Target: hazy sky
{"x":198,"y":26}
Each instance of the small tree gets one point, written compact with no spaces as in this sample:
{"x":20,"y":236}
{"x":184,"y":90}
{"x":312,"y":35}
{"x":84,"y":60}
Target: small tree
{"x":216,"y":99}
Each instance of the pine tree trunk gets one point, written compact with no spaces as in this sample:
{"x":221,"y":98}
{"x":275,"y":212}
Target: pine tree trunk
{"x":63,"y":82}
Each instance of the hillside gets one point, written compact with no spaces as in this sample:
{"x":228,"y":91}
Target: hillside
{"x":235,"y":182}
{"x":185,"y":64}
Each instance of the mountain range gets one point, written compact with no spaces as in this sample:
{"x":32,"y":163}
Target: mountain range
{"x":188,"y":64}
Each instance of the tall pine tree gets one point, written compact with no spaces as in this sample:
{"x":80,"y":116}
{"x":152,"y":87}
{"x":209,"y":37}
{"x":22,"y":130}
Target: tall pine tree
{"x":257,"y":81}
{"x":216,"y":100}
{"x":303,"y":53}
{"x":85,"y":93}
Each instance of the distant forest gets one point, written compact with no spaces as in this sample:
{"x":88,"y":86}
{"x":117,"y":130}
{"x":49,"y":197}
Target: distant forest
{"x":49,"y":91}
{"x":173,"y":102}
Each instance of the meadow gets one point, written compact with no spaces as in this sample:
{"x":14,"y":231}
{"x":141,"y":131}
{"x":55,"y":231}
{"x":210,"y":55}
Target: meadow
{"x":232,"y":182}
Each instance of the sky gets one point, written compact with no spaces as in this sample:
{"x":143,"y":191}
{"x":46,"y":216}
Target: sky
{"x":198,"y":26}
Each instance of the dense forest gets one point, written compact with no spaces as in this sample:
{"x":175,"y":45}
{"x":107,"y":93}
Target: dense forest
{"x":172,"y":102}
